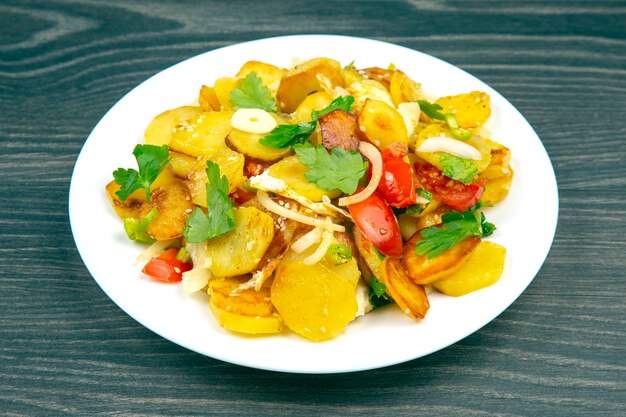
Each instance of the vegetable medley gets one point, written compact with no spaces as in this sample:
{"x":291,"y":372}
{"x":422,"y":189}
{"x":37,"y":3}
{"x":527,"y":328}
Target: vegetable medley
{"x":303,"y":198}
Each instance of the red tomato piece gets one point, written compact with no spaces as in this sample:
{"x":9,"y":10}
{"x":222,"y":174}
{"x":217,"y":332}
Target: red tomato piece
{"x":378,"y":224}
{"x":241,"y":196}
{"x":454,"y":193}
{"x":397,"y":186}
{"x":254,"y":167}
{"x":166,"y":267}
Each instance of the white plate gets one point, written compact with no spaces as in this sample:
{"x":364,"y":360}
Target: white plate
{"x":526,"y":219}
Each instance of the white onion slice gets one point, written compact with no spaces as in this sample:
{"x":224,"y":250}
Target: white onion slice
{"x":372,"y":153}
{"x":327,"y":240}
{"x":154,"y":249}
{"x":328,"y":204}
{"x":307,"y":240}
{"x":196,"y":279}
{"x":451,"y":146}
{"x":274,"y":207}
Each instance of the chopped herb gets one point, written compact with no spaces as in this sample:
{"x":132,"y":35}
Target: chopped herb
{"x":432,"y":111}
{"x":378,"y":294}
{"x":350,"y":66}
{"x":339,"y":254}
{"x":337,"y":169}
{"x":151,"y":161}
{"x":459,"y":169}
{"x":220,"y":217}
{"x":284,"y":136}
{"x":183,"y":255}
{"x":418,"y":208}
{"x":136,"y":229}
{"x":250,"y":93}
{"x":455,"y":228}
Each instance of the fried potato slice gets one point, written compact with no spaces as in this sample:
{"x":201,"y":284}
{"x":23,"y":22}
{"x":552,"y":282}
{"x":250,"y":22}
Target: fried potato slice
{"x":403,"y":89}
{"x":340,"y":129}
{"x":231,"y":165}
{"x":159,"y":131}
{"x":381,"y":124}
{"x":208,"y":99}
{"x":202,"y":135}
{"x":472,"y":109}
{"x":246,"y":302}
{"x":423,"y":270}
{"x":174,"y":205}
{"x":269,"y":74}
{"x":409,"y":296}
{"x":246,"y":324}
{"x":498,"y":176}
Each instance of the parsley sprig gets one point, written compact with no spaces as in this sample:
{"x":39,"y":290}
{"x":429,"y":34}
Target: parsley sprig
{"x":151,"y":161}
{"x":457,"y":168}
{"x":456,"y":227}
{"x":284,"y":136}
{"x":378,"y":294}
{"x":337,"y":169}
{"x":250,"y":93}
{"x":432,"y":111}
{"x":220,"y":217}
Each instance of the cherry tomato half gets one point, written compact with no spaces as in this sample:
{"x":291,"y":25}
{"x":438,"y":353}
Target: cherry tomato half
{"x":378,"y":224}
{"x":454,"y":193}
{"x":397,"y":186}
{"x":166,"y":267}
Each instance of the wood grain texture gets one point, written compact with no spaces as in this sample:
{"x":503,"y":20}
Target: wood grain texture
{"x":66,"y":349}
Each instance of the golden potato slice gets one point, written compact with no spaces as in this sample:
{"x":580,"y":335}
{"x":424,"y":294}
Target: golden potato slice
{"x":382,"y":75}
{"x":208,"y":99}
{"x":312,"y":300}
{"x":409,"y":296}
{"x":269,"y":74}
{"x":313,"y":102}
{"x":367,"y":89}
{"x":240,"y":250}
{"x":202,"y":135}
{"x":368,"y":252}
{"x":403,"y":89}
{"x":382,"y":125}
{"x":483,"y":268}
{"x":249,"y":145}
{"x":222,"y":89}
{"x":174,"y":206}
{"x":290,"y":170}
{"x":498,"y":175}
{"x":423,"y":270}
{"x":318,"y":74}
{"x":231,"y":165}
{"x":472,"y":109}
{"x":182,"y":164}
{"x":159,"y":131}
{"x":246,"y":324}
{"x":246,"y":302}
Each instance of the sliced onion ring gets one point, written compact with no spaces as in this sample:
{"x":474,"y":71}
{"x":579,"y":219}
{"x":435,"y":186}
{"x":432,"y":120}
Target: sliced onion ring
{"x":327,"y":240}
{"x":274,"y":207}
{"x":307,"y":240}
{"x":373,"y":154}
{"x":451,"y":146}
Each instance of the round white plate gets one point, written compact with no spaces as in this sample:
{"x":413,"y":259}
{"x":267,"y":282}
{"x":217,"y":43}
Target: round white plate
{"x":382,"y":338}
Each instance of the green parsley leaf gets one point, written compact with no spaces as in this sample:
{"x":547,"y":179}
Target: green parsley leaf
{"x":378,"y":294}
{"x":151,"y":161}
{"x":456,"y":227}
{"x":432,"y":111}
{"x":339,"y":169}
{"x":284,"y":136}
{"x":250,"y":93}
{"x":339,"y":254}
{"x":458,"y":168}
{"x":340,"y":103}
{"x":220,"y":217}
{"x":350,"y":66}
{"x":418,"y":208}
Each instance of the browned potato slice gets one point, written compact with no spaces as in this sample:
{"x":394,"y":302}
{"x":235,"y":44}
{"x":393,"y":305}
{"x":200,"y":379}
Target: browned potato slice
{"x":159,"y":131}
{"x":382,"y":75}
{"x":498,"y":176}
{"x":246,"y":324}
{"x":382,"y":124}
{"x":174,"y":206}
{"x":208,"y":99}
{"x":202,"y":135}
{"x":424,"y":271}
{"x":409,"y":296}
{"x":231,"y":165}
{"x":270,"y":74}
{"x":132,"y":206}
{"x":471,"y":109}
{"x":484,"y":267}
{"x":340,"y":129}
{"x":403,"y":89}
{"x":373,"y":259}
{"x":319,"y":74}
{"x":247,"y":302}
{"x":222,"y":89}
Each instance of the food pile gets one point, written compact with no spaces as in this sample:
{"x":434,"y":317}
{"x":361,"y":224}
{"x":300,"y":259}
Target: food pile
{"x":303,"y":198}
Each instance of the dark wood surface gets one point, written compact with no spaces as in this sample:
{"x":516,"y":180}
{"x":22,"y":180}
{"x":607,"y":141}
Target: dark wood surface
{"x":65,"y":348}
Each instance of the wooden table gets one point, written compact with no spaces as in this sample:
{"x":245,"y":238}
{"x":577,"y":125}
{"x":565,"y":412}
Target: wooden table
{"x":66,"y":349}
